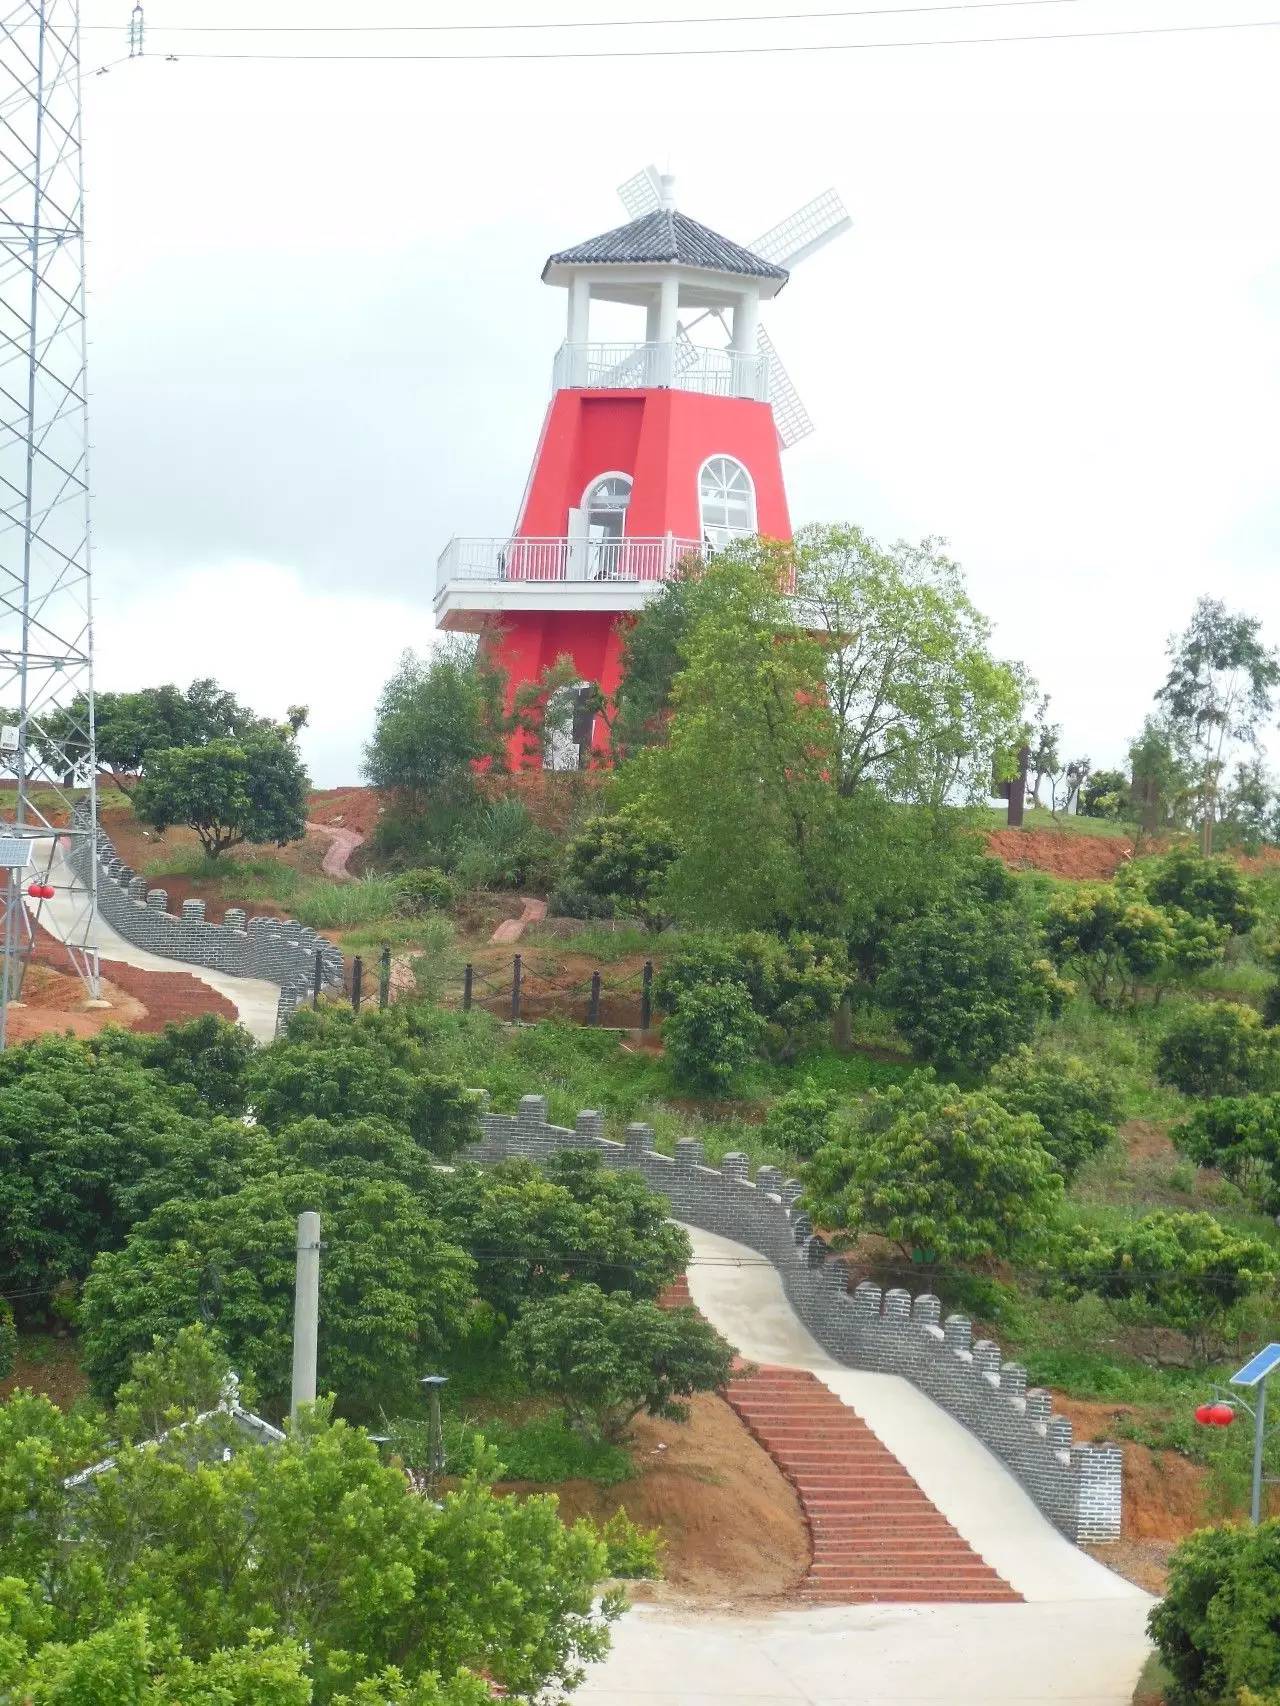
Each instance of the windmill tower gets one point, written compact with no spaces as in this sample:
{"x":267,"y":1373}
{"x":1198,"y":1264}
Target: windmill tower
{"x":654,"y":450}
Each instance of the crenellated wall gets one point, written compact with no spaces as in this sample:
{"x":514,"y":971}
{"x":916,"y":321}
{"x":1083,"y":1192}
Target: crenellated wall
{"x":1078,"y":1487}
{"x":278,"y":950}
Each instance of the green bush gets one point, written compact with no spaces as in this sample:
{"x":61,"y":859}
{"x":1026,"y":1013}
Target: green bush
{"x":1186,"y":881}
{"x":1115,"y":943}
{"x":1219,"y":1048}
{"x":605,"y":1358}
{"x":503,"y":848}
{"x":621,"y":857}
{"x":802,"y":1120}
{"x":794,"y":983}
{"x":1077,"y":1105}
{"x":426,"y":889}
{"x":1240,"y":1137}
{"x":569,"y":900}
{"x":712,"y":1034}
{"x":8,"y":1339}
{"x":635,"y":1553}
{"x":1105,"y":794}
{"x":1217,"y":1629}
{"x":963,"y":986}
{"x":949,"y":1177}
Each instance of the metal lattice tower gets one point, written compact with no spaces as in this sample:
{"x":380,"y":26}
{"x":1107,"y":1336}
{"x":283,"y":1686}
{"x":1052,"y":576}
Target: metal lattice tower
{"x":46,"y":634}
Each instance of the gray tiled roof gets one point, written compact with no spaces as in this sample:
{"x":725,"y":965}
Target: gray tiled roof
{"x":665,"y":235}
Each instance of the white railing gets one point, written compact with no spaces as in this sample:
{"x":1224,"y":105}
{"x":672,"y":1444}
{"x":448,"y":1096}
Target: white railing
{"x":563,"y":559}
{"x":679,"y":365}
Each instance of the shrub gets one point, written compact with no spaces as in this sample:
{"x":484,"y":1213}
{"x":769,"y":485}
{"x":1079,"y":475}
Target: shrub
{"x":634,"y":1553}
{"x":426,"y":889}
{"x":1114,"y":942}
{"x":1189,"y":1267}
{"x":622,"y":857}
{"x":802,"y":1120}
{"x":962,"y":985}
{"x":504,"y":848}
{"x":1240,"y":1136}
{"x":1105,"y":794}
{"x":794,"y":983}
{"x":568,"y":900}
{"x":1216,"y":1628}
{"x":1207,"y":888}
{"x":1077,"y":1105}
{"x":947,"y":1176}
{"x":1219,"y":1048}
{"x":607,"y":1357}
{"x":711,"y":1035}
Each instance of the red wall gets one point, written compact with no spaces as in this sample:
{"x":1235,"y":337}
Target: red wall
{"x":661,"y":438}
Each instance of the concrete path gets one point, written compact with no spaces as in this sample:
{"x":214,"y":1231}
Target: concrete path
{"x":512,"y":929}
{"x":1080,"y":1637}
{"x":254,"y":999}
{"x":342,"y":844}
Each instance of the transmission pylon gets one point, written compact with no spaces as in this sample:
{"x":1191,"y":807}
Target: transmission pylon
{"x":46,"y":608}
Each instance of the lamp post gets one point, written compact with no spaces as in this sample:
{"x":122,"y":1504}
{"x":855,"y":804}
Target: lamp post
{"x":435,"y":1445}
{"x":1222,"y":1413}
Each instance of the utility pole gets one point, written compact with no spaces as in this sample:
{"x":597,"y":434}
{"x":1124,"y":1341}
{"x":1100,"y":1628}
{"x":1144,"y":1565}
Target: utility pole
{"x":46,"y":607}
{"x":306,"y":1311}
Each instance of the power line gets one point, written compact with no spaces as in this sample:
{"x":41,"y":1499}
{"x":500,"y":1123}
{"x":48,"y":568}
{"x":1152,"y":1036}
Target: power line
{"x":726,"y":52}
{"x":577,"y":23}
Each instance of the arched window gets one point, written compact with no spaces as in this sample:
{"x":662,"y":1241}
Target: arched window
{"x":605,"y":502}
{"x":727,"y":500}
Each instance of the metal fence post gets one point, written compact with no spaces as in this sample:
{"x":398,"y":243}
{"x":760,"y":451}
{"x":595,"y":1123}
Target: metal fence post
{"x":317,"y":978}
{"x":384,"y":978}
{"x":646,"y":996}
{"x":467,"y":975}
{"x":517,"y":965}
{"x":357,"y":977}
{"x":593,"y":1014}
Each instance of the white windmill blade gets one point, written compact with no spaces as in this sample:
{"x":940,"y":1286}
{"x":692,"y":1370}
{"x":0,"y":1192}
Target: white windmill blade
{"x":643,"y":193}
{"x":789,"y":414}
{"x":806,"y":230}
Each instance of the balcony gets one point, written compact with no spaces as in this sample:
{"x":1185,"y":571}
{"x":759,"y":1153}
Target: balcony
{"x":679,"y":365}
{"x":476,"y":578}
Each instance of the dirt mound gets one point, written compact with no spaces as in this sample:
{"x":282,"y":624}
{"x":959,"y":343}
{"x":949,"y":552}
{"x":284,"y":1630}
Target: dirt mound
{"x":1059,"y":853}
{"x":53,"y":1001}
{"x":732,"y":1524}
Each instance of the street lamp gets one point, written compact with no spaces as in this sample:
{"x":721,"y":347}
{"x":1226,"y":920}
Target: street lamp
{"x":435,"y":1445}
{"x":1221,"y":1414}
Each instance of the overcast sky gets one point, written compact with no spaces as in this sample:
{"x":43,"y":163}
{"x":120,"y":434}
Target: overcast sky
{"x":320,"y":345}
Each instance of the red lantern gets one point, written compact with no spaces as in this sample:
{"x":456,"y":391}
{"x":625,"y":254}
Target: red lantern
{"x":1222,"y":1415}
{"x":41,"y":891}
{"x":1204,"y":1414}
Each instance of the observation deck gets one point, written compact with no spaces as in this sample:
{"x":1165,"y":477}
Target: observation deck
{"x":678,"y":364}
{"x":478,"y":578}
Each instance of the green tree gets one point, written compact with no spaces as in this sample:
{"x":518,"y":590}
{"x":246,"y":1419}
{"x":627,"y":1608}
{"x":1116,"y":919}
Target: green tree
{"x":333,"y":1065}
{"x":1218,"y":692}
{"x":802,"y":1120}
{"x":252,"y":788}
{"x":1078,"y":1105}
{"x":313,"y":1548}
{"x":539,"y":1231}
{"x":1119,"y":944}
{"x":1188,"y":1268}
{"x":1240,"y":1137}
{"x":1212,"y":890}
{"x":622,"y":857}
{"x":394,"y":1287}
{"x":1161,"y":768}
{"x":711,"y":1033}
{"x":1105,"y":794}
{"x":652,"y":657}
{"x":1215,"y":1627}
{"x":439,"y":719}
{"x":202,"y":1060}
{"x":966,"y":984}
{"x":1219,"y":1048}
{"x":794,"y":982}
{"x":920,"y":703}
{"x":762,"y":846}
{"x":607,"y":1358}
{"x":950,"y":1176}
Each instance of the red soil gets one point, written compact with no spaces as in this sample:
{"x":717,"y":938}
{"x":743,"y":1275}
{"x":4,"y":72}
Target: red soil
{"x":1061,"y":854}
{"x":153,"y":999}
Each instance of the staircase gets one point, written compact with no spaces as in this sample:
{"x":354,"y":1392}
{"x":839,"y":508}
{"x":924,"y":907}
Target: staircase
{"x":876,"y":1537}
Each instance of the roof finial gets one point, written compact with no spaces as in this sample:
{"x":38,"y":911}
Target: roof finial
{"x":668,"y":192}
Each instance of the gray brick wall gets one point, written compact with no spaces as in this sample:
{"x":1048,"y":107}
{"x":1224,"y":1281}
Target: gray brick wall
{"x":278,"y":950}
{"x":1078,"y":1487}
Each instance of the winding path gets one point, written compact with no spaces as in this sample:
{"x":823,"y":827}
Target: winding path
{"x":1078,"y":1636}
{"x":342,"y":844}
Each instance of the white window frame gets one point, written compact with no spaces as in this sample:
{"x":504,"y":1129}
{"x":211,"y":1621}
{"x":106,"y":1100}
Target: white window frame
{"x":599,"y":479}
{"x":721,"y":534}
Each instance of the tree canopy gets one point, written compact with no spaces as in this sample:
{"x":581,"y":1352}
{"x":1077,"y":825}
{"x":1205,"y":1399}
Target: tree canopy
{"x":250,"y":788}
{"x":439,"y":717}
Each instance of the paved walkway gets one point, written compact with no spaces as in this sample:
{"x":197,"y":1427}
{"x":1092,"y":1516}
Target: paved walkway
{"x":512,"y":929}
{"x":1079,"y":1637}
{"x":254,"y":999}
{"x":342,"y":844}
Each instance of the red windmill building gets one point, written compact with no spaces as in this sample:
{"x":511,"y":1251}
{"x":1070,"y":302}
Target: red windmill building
{"x":651,"y":451}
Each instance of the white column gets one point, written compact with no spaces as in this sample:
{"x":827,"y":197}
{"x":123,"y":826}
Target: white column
{"x":746,"y":324}
{"x":652,"y":314}
{"x":579,"y":309}
{"x":668,"y":320}
{"x":306,"y":1311}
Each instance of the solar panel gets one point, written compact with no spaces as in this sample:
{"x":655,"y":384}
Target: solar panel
{"x":15,"y":853}
{"x":1258,"y":1367}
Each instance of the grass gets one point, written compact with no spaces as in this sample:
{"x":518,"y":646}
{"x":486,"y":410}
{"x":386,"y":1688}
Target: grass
{"x":997,"y":817}
{"x":605,"y":943}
